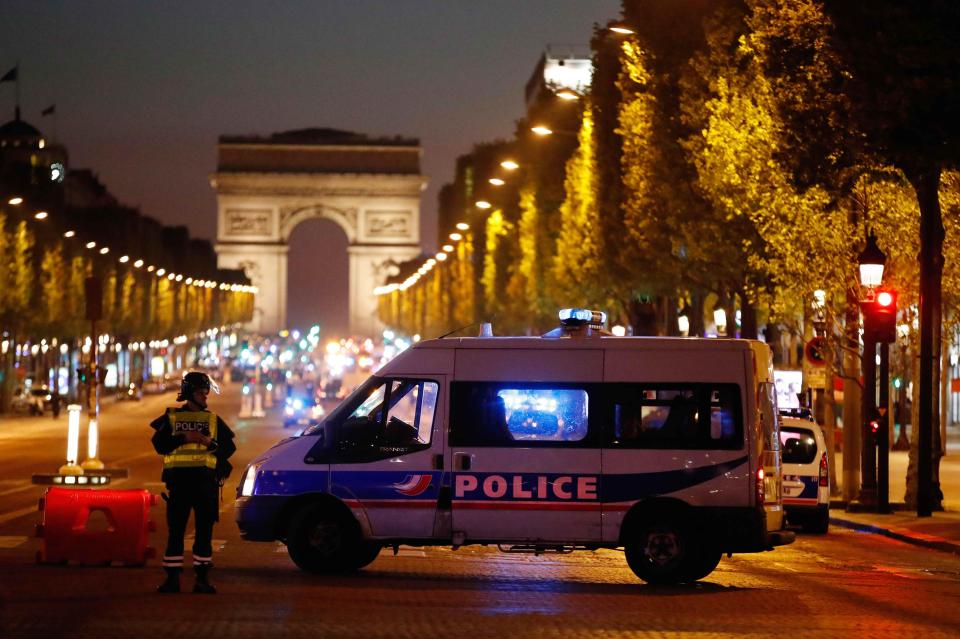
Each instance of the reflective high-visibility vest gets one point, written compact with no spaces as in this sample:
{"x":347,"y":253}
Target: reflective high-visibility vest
{"x":191,"y":455}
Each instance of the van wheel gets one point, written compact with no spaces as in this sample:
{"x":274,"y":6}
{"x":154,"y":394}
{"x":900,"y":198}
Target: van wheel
{"x":702,"y":562}
{"x":818,"y":523}
{"x":660,"y":552}
{"x":325,"y":542}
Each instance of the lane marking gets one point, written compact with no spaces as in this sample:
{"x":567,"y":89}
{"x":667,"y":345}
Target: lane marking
{"x":26,"y":485}
{"x":12,"y":541}
{"x":16,"y":514}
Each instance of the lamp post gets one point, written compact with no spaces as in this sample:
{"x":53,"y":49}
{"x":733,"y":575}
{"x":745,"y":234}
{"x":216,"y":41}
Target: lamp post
{"x":871,"y":261}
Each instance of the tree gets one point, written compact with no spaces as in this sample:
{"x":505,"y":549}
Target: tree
{"x":887,"y":95}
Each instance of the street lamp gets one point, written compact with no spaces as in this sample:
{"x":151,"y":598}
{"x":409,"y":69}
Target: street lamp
{"x":872,"y":261}
{"x":496,"y":181}
{"x":510,"y":165}
{"x":621,"y":28}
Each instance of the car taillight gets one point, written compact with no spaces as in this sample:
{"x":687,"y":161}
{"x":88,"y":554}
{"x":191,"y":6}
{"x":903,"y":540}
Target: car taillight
{"x":824,"y":479}
{"x":760,"y":496}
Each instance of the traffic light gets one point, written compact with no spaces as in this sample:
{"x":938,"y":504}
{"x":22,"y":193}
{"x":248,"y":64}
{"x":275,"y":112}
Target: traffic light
{"x":880,"y":317}
{"x":82,"y":374}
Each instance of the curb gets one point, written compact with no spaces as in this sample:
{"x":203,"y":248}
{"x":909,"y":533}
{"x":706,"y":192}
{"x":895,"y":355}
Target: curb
{"x":933,"y":543}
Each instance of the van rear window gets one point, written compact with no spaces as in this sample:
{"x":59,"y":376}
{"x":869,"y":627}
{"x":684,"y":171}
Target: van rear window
{"x":681,"y":416}
{"x":797,"y":446}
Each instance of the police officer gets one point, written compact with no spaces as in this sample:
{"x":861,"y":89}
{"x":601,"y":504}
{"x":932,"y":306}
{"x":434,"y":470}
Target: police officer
{"x":195,"y":444}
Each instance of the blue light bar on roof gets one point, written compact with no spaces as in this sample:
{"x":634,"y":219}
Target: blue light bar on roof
{"x":577,"y":316}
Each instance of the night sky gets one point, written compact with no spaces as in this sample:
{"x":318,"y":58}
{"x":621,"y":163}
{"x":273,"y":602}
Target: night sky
{"x":143,"y":90}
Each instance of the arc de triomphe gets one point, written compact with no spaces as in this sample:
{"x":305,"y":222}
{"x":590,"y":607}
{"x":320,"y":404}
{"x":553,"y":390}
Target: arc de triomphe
{"x":266,"y":186}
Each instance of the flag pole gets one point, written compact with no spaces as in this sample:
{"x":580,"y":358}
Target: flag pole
{"x":16,"y":111}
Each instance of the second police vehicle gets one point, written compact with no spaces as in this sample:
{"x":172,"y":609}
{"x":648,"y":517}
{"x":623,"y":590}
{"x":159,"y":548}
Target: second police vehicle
{"x":666,"y":447}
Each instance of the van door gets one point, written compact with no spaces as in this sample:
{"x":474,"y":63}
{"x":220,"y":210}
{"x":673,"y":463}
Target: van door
{"x":525,"y":456}
{"x":388,"y":455}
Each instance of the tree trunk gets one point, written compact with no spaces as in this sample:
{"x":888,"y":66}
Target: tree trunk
{"x":748,"y":317}
{"x":851,"y":401}
{"x":696,"y":315}
{"x":926,"y":183}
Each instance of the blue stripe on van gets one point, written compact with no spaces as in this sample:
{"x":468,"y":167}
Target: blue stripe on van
{"x":425,"y":485}
{"x":633,"y":486}
{"x":291,"y":482}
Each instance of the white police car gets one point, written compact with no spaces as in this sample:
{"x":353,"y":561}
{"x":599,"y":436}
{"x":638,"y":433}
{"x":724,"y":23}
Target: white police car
{"x":806,"y":480}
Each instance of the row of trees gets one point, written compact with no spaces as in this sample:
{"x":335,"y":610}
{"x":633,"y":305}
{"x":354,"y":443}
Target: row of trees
{"x":730,"y":155}
{"x":42,"y":298}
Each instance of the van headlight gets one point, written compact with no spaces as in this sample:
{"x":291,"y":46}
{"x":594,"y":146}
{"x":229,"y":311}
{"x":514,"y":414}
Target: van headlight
{"x":249,"y":483}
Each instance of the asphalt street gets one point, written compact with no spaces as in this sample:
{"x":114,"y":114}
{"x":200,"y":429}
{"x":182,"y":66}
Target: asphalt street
{"x":843,"y":583}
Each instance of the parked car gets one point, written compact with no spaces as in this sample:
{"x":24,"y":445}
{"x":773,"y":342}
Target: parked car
{"x":35,"y":401}
{"x":806,"y":476}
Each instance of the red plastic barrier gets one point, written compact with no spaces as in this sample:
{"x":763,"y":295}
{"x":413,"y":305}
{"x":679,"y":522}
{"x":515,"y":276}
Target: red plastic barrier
{"x":118,"y":532}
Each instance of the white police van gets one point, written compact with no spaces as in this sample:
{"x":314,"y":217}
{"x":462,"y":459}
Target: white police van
{"x":667,"y":447}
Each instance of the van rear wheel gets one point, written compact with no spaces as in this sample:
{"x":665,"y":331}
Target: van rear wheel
{"x":660,"y":552}
{"x":322,"y":541}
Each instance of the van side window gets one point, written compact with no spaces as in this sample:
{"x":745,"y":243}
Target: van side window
{"x":392,"y":417}
{"x":505,"y":414}
{"x":681,"y":416}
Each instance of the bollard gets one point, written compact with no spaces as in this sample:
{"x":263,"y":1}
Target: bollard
{"x":258,"y":404}
{"x":91,"y":462}
{"x":245,"y":404}
{"x":268,"y":397}
{"x":73,"y":441}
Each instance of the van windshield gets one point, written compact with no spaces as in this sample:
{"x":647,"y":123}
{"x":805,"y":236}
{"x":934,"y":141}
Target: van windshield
{"x":346,"y":407}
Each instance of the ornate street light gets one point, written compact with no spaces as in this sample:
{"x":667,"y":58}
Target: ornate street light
{"x":872,"y":261}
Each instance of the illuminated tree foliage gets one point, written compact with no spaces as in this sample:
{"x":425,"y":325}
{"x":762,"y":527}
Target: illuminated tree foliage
{"x":577,"y":265}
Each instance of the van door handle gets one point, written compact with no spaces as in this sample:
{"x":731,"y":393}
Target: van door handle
{"x":461,"y":461}
{"x":438,"y":462}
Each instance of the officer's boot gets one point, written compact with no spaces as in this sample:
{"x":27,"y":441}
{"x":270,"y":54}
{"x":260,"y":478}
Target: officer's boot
{"x":202,"y":585}
{"x":172,"y":583}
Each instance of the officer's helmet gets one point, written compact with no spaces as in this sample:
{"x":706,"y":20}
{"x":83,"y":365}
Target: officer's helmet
{"x":195,"y":380}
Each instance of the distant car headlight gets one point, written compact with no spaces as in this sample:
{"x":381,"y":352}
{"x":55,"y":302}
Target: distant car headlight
{"x":249,"y":483}
{"x":298,"y":404}
{"x":288,"y":411}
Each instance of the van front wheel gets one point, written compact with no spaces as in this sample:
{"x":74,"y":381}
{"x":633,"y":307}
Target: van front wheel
{"x":660,"y":552}
{"x":323,"y":542}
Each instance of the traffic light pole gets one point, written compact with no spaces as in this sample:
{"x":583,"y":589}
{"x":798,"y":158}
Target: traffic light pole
{"x":868,"y":459}
{"x":883,"y":433}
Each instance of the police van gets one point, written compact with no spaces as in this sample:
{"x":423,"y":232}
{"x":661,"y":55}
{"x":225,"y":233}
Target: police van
{"x":665,"y":447}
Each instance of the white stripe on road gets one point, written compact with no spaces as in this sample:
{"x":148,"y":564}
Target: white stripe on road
{"x":16,"y":514}
{"x":25,"y":485}
{"x":12,"y":541}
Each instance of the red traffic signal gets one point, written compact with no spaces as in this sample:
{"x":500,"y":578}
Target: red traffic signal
{"x":880,"y":317}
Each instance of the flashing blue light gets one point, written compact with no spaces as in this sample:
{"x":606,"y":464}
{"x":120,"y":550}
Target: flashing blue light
{"x":582,"y":316}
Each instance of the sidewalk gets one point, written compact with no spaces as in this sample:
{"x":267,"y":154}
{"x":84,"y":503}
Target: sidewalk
{"x":941,"y":531}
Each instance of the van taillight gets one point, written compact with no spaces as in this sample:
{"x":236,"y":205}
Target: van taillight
{"x":760,"y":496}
{"x":824,"y":480}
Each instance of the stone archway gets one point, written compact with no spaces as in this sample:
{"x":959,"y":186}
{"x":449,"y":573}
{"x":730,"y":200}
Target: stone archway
{"x":266,"y":186}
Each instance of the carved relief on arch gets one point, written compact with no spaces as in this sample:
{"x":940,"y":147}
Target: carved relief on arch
{"x":345,"y":218}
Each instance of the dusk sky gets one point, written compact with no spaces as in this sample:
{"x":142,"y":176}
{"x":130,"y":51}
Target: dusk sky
{"x":143,"y":89}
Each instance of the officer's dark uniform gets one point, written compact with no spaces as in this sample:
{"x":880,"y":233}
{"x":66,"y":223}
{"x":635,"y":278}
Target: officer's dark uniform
{"x":193,"y":474}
